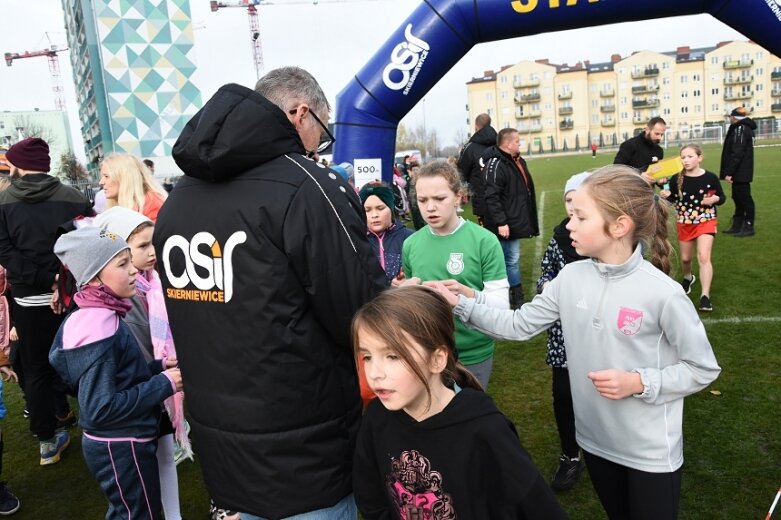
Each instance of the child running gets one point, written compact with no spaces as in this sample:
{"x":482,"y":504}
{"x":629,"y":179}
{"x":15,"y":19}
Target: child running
{"x":635,"y":345}
{"x":466,"y":256}
{"x":119,"y":394}
{"x":696,"y":193}
{"x":433,"y":445}
{"x":148,"y":321}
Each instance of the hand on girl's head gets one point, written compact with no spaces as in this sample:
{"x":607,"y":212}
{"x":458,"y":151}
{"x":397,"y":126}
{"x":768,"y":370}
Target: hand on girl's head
{"x":442,"y":289}
{"x":409,"y":281}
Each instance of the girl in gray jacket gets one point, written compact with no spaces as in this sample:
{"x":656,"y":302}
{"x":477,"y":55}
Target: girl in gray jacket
{"x":635,"y":345}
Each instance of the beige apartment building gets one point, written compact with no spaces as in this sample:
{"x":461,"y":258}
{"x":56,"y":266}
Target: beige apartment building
{"x":561,"y":106}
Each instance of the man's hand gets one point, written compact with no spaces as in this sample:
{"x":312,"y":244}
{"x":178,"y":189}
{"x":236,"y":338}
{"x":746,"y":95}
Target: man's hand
{"x":616,"y":384}
{"x":504,"y":231}
{"x":728,"y":178}
{"x":54,"y":303}
{"x":8,"y":375}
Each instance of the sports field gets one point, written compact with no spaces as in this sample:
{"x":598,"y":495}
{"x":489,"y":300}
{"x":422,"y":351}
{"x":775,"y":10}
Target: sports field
{"x":732,"y":466}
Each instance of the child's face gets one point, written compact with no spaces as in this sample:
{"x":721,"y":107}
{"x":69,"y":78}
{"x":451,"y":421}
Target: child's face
{"x":378,"y":215}
{"x":587,"y":226}
{"x":691,"y":161}
{"x":142,"y":250}
{"x":437,"y":203}
{"x":395,"y":384}
{"x":119,"y":275}
{"x":568,"y":202}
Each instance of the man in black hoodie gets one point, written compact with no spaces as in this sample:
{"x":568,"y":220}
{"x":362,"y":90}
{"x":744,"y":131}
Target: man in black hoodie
{"x":643,"y":150}
{"x":470,"y":162}
{"x":31,"y":210}
{"x":264,"y":260}
{"x":737,"y":168}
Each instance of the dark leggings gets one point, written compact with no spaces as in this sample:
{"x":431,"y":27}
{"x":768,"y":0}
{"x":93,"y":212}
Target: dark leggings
{"x":630,"y":494}
{"x":563,"y":412}
{"x":744,"y":203}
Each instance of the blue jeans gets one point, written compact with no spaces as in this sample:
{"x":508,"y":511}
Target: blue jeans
{"x":512,"y":257}
{"x":345,"y":509}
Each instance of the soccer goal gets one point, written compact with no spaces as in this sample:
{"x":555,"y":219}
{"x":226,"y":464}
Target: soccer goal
{"x":683,"y":134}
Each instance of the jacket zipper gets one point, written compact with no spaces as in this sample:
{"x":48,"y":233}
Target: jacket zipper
{"x":596,"y":322}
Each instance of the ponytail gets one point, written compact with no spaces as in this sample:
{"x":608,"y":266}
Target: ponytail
{"x":461,"y":376}
{"x":660,"y":246}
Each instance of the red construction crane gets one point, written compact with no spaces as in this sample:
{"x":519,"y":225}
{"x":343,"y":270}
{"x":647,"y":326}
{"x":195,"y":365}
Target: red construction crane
{"x":54,"y":70}
{"x":254,"y":26}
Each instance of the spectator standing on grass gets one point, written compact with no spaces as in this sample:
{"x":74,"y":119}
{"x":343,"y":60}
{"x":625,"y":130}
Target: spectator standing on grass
{"x":559,"y":253}
{"x":264,"y":334}
{"x":643,"y":150}
{"x":470,"y":162}
{"x":695,"y":192}
{"x":635,"y":345}
{"x":30,"y":212}
{"x":737,"y":168}
{"x":511,"y":205}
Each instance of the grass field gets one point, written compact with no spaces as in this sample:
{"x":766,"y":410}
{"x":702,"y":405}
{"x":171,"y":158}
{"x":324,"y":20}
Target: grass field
{"x":732,"y":466}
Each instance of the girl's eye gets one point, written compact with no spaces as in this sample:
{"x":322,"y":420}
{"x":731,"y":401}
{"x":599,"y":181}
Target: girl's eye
{"x":393,"y":357}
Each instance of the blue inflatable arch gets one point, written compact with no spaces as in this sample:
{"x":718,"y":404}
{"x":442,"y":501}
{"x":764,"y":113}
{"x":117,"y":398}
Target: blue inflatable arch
{"x":440,"y":32}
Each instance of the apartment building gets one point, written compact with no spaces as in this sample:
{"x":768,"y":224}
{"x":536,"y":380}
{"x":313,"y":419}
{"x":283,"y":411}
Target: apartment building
{"x":566,"y":107}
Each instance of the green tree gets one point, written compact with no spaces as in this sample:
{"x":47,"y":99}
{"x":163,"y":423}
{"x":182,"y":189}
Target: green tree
{"x":71,"y":168}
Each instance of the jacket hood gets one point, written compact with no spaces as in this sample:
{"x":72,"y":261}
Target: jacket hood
{"x":486,"y":136}
{"x":561,"y":235}
{"x":748,"y":122}
{"x":71,"y":364}
{"x":235,"y":131}
{"x":34,"y":187}
{"x":494,"y":151}
{"x":470,"y":405}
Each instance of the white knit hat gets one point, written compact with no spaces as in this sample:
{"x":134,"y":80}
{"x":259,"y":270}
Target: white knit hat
{"x":575,"y":181}
{"x":121,"y":221}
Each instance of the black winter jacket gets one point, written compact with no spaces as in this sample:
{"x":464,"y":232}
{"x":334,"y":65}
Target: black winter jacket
{"x":31,"y":210}
{"x":264,"y":260}
{"x":471,"y":166}
{"x":508,"y":200}
{"x":737,"y":155}
{"x":638,"y":152}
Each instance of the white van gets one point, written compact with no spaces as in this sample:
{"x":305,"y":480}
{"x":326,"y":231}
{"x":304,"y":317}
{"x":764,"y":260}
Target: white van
{"x":415,"y":155}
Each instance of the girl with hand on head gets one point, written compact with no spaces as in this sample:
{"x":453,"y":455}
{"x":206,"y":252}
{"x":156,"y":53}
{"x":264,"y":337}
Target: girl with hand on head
{"x":635,"y":345}
{"x":465,"y":257}
{"x":695,"y":192}
{"x":434,"y":445}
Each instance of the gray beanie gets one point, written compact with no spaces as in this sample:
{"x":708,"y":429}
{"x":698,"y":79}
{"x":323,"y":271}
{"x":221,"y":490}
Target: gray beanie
{"x":86,"y":251}
{"x":121,"y":221}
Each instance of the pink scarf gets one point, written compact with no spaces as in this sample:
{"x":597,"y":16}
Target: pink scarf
{"x":101,"y":297}
{"x":163,"y":344}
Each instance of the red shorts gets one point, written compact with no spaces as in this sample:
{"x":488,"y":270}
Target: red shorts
{"x":688,"y":232}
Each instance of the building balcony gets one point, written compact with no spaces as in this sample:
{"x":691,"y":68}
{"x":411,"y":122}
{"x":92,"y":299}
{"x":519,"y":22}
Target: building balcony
{"x":739,"y":80}
{"x":565,"y":95}
{"x":775,"y":75}
{"x":776,"y":92}
{"x":775,"y":107}
{"x":566,"y":124}
{"x":535,"y":129}
{"x":527,"y":98}
{"x":527,"y":114}
{"x":649,"y":72}
{"x":526,"y":84}
{"x":607,"y":108}
{"x":738,"y":64}
{"x":639,"y":120}
{"x":645,"y":103}
{"x":738,"y":95}
{"x":608,"y":122}
{"x":565,"y":111}
{"x":645,"y":89}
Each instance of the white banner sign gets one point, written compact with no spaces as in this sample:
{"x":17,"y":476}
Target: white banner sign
{"x":367,"y":170}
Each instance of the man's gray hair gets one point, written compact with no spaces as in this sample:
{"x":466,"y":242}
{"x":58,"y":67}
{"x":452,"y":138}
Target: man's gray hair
{"x":288,"y":87}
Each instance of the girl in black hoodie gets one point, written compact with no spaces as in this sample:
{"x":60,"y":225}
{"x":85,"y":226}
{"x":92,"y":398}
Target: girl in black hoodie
{"x":434,"y":445}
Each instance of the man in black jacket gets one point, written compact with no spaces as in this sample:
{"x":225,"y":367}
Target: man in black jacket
{"x":264,"y":260}
{"x":511,"y":208}
{"x":470,"y":162}
{"x":737,"y":168}
{"x":31,"y":210}
{"x":642,"y":150}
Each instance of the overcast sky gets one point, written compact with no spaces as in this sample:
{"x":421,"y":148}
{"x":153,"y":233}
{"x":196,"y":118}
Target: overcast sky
{"x":333,"y":40}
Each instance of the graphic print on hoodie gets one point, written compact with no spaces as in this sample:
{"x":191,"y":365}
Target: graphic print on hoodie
{"x":417,"y":490}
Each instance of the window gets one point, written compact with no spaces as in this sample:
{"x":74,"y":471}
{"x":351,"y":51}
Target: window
{"x":684,"y":79}
{"x":684,"y":110}
{"x":759,"y":103}
{"x":715,"y":77}
{"x":594,"y":103}
{"x":684,"y":93}
{"x":760,"y":72}
{"x":623,"y":100}
{"x":760,"y":86}
{"x":665,"y":81}
{"x":698,"y":108}
{"x":714,"y":107}
{"x":504,"y":79}
{"x":695,"y":93}
{"x":489,"y":96}
{"x":760,"y":55}
{"x":547,"y":75}
{"x":696,"y":77}
{"x":666,"y":65}
{"x":714,"y":91}
{"x":666,"y":96}
{"x":714,"y":60}
{"x":594,"y":119}
{"x":548,"y":106}
{"x":624,"y":116}
{"x":667,"y":111}
{"x":536,"y":107}
{"x":504,"y":95}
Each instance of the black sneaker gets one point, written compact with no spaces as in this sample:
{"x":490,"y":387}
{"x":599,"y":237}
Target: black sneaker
{"x":705,"y":304}
{"x":687,"y":283}
{"x":567,"y":473}
{"x":66,"y":422}
{"x":9,"y":504}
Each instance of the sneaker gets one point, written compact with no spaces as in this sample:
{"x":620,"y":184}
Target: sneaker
{"x":687,"y":283}
{"x":9,"y":504}
{"x":53,"y":448}
{"x":567,"y":473}
{"x":66,"y":422}
{"x":216,"y":513}
{"x":705,"y":304}
{"x":26,"y":413}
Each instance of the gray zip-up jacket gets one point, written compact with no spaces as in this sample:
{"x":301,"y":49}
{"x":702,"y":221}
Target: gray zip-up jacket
{"x":630,"y":317}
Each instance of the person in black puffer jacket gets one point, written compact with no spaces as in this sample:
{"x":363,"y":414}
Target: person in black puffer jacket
{"x":737,"y":168}
{"x":470,"y":162}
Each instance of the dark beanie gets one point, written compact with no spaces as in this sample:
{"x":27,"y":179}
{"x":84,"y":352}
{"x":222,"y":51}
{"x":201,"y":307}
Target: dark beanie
{"x":30,"y":154}
{"x":380,"y":190}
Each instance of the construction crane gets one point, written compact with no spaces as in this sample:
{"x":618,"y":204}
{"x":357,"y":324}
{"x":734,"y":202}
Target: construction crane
{"x":54,"y":70}
{"x":254,"y":26}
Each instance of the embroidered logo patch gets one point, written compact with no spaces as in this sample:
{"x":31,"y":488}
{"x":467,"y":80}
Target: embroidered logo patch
{"x":456,"y":263}
{"x":629,"y":321}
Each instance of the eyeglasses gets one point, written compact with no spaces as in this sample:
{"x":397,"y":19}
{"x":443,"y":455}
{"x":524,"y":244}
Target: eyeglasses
{"x":326,"y":138}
